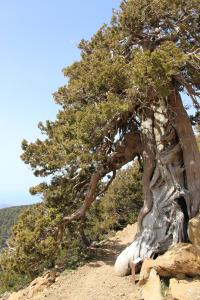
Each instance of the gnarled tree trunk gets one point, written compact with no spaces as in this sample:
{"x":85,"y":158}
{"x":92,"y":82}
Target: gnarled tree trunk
{"x":171,"y":181}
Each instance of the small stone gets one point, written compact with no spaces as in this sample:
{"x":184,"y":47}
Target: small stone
{"x":37,"y":286}
{"x":184,"y":289}
{"x":152,"y":288}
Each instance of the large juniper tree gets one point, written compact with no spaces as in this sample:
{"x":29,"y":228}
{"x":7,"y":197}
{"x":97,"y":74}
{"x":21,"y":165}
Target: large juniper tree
{"x":123,"y":100}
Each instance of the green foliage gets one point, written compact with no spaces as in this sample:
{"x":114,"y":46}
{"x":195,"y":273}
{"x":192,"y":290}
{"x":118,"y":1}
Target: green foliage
{"x":146,"y":51}
{"x":126,"y":65}
{"x":34,"y":244}
{"x":11,"y":281}
{"x":164,"y":62}
{"x":8,"y":217}
{"x":33,"y":241}
{"x":121,"y":204}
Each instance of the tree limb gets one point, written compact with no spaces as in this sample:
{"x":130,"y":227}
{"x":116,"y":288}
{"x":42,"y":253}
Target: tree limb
{"x":182,"y":81}
{"x":109,"y":183}
{"x":125,"y":153}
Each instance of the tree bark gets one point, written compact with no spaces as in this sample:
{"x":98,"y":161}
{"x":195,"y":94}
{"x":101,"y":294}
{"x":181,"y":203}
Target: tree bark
{"x":191,"y":155}
{"x":171,"y":182}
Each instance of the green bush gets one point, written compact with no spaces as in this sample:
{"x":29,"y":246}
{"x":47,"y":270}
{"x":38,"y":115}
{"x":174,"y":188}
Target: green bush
{"x":123,"y":201}
{"x":34,"y":244}
{"x":8,"y":217}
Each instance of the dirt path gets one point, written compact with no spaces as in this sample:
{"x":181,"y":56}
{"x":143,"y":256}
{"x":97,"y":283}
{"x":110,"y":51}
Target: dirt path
{"x":96,"y":280}
{"x":93,"y":281}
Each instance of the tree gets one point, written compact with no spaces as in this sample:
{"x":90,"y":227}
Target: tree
{"x":33,"y":242}
{"x":123,"y":200}
{"x":8,"y":217}
{"x":123,"y":100}
{"x":198,"y":135}
{"x":34,"y":245}
{"x":198,"y":141}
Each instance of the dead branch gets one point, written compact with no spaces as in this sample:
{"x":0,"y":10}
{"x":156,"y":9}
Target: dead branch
{"x":109,"y":183}
{"x":182,"y":81}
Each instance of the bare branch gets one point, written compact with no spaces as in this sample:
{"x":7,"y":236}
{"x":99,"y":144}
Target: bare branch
{"x":194,"y":52}
{"x":90,"y":197}
{"x":182,"y":81}
{"x":80,"y":184}
{"x":125,"y":152}
{"x":109,"y":183}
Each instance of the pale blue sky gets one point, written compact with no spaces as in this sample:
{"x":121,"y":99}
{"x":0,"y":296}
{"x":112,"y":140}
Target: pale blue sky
{"x":37,"y":39}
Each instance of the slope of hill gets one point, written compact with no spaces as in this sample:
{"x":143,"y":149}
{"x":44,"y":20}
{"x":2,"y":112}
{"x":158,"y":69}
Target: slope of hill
{"x":8,"y":217}
{"x":95,"y":280}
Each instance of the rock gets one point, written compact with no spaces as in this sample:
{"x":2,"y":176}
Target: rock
{"x":193,"y":231}
{"x":36,"y":286}
{"x":179,"y":259}
{"x":145,"y":271}
{"x":5,"y":296}
{"x":180,"y":276}
{"x":152,"y":288}
{"x":184,"y":289}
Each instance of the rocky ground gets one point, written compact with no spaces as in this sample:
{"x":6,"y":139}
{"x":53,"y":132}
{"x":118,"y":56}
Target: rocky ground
{"x":175,"y":275}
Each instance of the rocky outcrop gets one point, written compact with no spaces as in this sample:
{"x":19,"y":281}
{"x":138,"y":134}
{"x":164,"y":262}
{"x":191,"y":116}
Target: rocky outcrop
{"x":152,"y":288}
{"x":37,"y":286}
{"x":193,"y":231}
{"x":147,"y":265}
{"x":184,"y":289}
{"x":5,"y":296}
{"x":178,"y":260}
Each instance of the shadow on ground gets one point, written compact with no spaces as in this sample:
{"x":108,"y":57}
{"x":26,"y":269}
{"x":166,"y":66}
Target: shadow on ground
{"x":106,"y":253}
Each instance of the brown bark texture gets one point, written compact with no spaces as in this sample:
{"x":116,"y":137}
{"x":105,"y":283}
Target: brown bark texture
{"x":171,"y":181}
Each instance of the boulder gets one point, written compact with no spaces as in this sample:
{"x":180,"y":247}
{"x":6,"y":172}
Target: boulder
{"x":193,"y":231}
{"x":184,"y":289}
{"x":152,"y":288}
{"x":179,"y":260}
{"x":145,"y":271}
{"x":5,"y":296}
{"x":36,"y":286}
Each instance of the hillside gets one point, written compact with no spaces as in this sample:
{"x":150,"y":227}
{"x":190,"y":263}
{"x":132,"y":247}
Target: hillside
{"x":8,"y":217}
{"x":95,"y":280}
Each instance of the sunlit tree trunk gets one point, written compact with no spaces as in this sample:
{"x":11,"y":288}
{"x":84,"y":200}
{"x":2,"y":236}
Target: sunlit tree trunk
{"x":171,"y":181}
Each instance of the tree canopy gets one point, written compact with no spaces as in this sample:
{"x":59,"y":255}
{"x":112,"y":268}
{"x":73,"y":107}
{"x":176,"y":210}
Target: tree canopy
{"x":125,"y":67}
{"x":33,"y":244}
{"x":123,"y":100}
